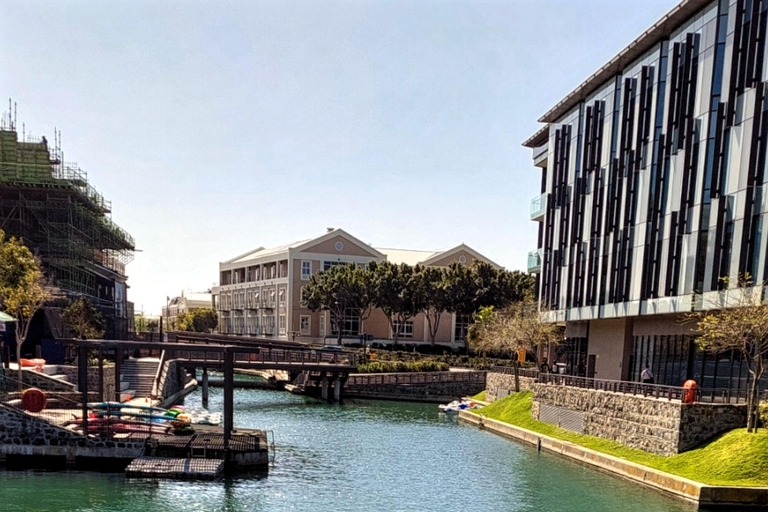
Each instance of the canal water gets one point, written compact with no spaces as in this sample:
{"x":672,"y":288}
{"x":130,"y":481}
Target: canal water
{"x":360,"y":456}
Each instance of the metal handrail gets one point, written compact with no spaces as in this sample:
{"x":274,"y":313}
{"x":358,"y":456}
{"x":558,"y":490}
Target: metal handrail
{"x":522,"y":372}
{"x":414,"y":378}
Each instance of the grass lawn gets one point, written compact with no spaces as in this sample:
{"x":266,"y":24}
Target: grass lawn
{"x":480,"y":396}
{"x":734,"y":458}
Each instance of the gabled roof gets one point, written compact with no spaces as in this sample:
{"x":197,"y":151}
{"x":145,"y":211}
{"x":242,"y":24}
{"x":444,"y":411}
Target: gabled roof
{"x":429,"y":257}
{"x":332,"y":233}
{"x":462,"y":247}
{"x":302,"y":245}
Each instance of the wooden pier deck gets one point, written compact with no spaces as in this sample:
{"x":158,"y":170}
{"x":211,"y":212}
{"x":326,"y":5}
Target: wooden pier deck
{"x":173,"y":467}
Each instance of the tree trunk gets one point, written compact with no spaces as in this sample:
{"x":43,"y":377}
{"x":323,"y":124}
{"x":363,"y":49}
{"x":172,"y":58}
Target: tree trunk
{"x":18,"y":361}
{"x":517,"y":377}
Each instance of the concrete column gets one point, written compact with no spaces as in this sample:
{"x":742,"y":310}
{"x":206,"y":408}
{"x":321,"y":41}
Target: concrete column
{"x":324,"y":386}
{"x":336,"y":388}
{"x":205,"y":388}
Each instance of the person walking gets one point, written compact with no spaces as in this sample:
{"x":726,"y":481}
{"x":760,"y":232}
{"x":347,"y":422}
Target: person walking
{"x":646,"y":375}
{"x":544,"y":368}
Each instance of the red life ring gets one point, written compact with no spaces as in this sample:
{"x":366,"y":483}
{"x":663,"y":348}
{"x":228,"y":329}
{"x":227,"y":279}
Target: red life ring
{"x":33,"y":400}
{"x":689,"y":395}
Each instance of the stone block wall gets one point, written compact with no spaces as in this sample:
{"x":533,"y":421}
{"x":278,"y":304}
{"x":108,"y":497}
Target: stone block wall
{"x":93,"y":378}
{"x":438,"y":391}
{"x":645,"y":423}
{"x":23,"y":434}
{"x":503,"y":381}
{"x":42,"y":381}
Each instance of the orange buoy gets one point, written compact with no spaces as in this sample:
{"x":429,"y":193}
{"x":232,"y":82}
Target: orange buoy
{"x":689,"y":395}
{"x":33,"y":400}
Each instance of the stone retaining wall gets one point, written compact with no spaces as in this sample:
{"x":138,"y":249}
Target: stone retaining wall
{"x":650,"y":424}
{"x":93,"y":378}
{"x":23,"y":434}
{"x":426,"y":391}
{"x":499,"y":385}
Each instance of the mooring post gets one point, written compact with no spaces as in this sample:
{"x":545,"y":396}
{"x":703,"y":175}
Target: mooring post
{"x":101,"y":374}
{"x":323,"y":386}
{"x":229,"y":399}
{"x":205,"y":388}
{"x":82,"y":383}
{"x":336,"y":387}
{"x":118,"y":362}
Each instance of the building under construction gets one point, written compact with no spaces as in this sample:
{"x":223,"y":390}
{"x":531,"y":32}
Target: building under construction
{"x":49,"y":204}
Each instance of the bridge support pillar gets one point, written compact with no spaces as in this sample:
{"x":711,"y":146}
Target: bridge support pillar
{"x":229,"y":402}
{"x":118,"y":363}
{"x":336,"y":387}
{"x":324,"y":385}
{"x":205,"y":388}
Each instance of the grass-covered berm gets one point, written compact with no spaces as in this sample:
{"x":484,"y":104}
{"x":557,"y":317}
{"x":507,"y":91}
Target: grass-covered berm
{"x":733,"y":458}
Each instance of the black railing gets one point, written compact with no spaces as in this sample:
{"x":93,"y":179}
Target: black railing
{"x":701,"y":395}
{"x":415,"y":378}
{"x":532,"y":373}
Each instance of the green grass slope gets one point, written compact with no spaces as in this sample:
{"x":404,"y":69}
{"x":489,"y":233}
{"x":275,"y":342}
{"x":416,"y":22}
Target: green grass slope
{"x":734,"y":458}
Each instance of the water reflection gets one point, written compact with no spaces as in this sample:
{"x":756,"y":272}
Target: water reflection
{"x":362,"y":455}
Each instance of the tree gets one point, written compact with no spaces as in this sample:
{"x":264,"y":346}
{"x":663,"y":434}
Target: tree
{"x":21,"y":288}
{"x":342,"y":290}
{"x":198,"y":320}
{"x":461,"y":290}
{"x":432,"y":287}
{"x":515,"y":328}
{"x":396,"y":291}
{"x":84,"y":319}
{"x":742,"y":328}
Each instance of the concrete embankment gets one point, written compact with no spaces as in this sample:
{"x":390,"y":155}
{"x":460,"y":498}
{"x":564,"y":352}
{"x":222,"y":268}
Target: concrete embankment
{"x":709,"y":495}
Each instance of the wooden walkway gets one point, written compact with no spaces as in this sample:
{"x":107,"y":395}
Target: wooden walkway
{"x":170,"y":467}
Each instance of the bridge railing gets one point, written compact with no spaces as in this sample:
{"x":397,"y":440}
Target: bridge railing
{"x":414,"y":378}
{"x":264,"y":356}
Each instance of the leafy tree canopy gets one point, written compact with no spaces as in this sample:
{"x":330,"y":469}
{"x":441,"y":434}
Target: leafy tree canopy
{"x":82,"y":318}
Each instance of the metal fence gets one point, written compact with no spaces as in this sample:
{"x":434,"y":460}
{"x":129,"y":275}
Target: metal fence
{"x":415,"y":378}
{"x":701,"y":395}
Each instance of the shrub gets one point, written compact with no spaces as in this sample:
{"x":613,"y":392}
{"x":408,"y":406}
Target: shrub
{"x":402,"y":366}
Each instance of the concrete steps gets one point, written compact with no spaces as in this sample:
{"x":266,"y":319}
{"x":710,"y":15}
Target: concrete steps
{"x":138,"y":377}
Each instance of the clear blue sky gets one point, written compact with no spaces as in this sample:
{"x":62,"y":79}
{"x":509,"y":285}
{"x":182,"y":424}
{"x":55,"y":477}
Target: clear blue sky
{"x":217,"y":127}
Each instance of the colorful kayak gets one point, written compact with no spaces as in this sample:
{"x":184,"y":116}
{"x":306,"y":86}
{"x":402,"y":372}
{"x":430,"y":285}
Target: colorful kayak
{"x":118,"y":405}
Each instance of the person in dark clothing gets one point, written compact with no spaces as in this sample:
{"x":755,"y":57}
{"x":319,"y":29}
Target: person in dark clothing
{"x":544,"y":368}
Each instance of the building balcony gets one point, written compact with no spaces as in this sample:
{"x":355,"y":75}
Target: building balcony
{"x":539,"y":207}
{"x":534,"y":261}
{"x":540,"y":155}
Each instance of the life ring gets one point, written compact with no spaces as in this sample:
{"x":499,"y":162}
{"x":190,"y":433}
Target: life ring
{"x":689,"y":395}
{"x":33,"y":400}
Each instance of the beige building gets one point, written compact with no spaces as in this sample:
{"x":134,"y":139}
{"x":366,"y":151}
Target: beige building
{"x":259,"y":292}
{"x":184,"y":303}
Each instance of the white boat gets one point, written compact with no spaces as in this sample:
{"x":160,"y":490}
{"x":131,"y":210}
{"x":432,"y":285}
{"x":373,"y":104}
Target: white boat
{"x":458,"y":405}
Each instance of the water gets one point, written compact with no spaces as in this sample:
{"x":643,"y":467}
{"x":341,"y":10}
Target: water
{"x":360,"y":456}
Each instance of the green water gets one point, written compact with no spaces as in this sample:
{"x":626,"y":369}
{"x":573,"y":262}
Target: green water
{"x":363,"y":455}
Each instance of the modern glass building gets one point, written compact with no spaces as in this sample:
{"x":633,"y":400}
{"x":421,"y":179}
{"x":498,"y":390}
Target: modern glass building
{"x":653,"y":195}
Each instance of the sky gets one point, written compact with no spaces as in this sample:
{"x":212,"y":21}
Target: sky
{"x":218,"y":127}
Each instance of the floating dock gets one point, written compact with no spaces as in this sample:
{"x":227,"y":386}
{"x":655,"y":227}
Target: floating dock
{"x":173,"y":467}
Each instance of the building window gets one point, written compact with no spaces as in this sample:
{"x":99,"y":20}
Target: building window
{"x":338,"y":246}
{"x":322,"y":324}
{"x":462,"y":326}
{"x":329,"y":264}
{"x":281,"y":297}
{"x":350,"y":325}
{"x":406,"y":329}
{"x":306,"y":270}
{"x":281,"y":324}
{"x":305,"y":323}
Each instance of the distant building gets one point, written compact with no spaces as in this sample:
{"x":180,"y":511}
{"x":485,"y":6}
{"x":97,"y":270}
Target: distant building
{"x":184,"y":303}
{"x":259,"y":292}
{"x":52,"y":208}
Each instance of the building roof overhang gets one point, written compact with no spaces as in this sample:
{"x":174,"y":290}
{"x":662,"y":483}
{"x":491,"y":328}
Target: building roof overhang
{"x":661,"y":29}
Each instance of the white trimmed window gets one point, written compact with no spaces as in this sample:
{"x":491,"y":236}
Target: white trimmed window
{"x":281,"y":297}
{"x":305,"y":325}
{"x":281,"y":324}
{"x":406,"y":329}
{"x":322,"y":324}
{"x":306,"y":270}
